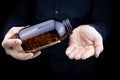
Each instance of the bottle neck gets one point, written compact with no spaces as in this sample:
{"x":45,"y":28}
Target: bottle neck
{"x":68,"y":26}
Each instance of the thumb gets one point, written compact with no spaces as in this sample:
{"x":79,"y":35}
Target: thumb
{"x":12,"y":43}
{"x":98,"y":45}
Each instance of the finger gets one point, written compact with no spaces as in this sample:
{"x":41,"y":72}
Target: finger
{"x":98,"y":45}
{"x":73,"y":53}
{"x":36,"y":54}
{"x":22,"y":55}
{"x":10,"y":43}
{"x":79,"y":53}
{"x":19,"y":48}
{"x":10,"y":51}
{"x":69,"y":50}
{"x":98,"y":50}
{"x":12,"y":32}
{"x":89,"y":51}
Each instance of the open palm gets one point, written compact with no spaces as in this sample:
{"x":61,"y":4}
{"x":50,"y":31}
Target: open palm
{"x":84,"y":42}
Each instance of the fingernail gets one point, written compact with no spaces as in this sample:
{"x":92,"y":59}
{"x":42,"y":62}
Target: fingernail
{"x":18,"y":41}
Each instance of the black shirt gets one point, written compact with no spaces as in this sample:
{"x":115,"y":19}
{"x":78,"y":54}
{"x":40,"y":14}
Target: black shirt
{"x":96,"y":13}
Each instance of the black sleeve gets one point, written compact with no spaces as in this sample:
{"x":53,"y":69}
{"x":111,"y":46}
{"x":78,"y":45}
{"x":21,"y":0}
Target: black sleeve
{"x":17,"y":17}
{"x":102,"y":17}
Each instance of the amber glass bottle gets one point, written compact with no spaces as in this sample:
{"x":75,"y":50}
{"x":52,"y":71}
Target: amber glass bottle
{"x":45,"y":34}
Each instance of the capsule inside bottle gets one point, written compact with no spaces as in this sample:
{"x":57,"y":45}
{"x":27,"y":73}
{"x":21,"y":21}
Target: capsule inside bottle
{"x":42,"y":35}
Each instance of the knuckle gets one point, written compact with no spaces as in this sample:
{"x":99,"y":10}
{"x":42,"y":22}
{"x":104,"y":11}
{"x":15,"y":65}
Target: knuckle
{"x":3,"y":44}
{"x":13,"y":29}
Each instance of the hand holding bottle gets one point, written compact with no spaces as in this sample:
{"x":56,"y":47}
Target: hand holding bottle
{"x":25,"y":43}
{"x":12,"y":45}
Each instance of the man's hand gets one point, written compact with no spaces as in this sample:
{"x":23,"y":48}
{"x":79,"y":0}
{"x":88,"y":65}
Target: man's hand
{"x":12,"y":45}
{"x":84,"y":42}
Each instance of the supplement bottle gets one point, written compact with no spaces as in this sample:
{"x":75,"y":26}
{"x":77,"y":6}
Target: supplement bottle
{"x":45,"y":34}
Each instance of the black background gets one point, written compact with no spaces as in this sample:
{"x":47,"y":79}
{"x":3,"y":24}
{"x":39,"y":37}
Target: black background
{"x":105,"y":63}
